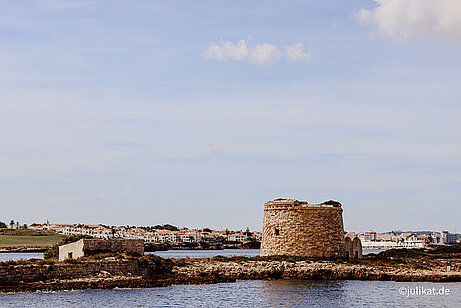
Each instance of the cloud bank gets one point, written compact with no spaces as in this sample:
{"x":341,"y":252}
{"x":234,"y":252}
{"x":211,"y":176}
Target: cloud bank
{"x":416,"y":19}
{"x":261,"y":54}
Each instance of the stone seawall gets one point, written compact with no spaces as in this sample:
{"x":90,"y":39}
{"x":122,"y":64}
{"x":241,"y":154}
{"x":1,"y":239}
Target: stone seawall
{"x":17,"y":274}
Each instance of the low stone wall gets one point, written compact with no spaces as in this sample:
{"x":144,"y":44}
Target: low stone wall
{"x":95,"y":245}
{"x":15,"y":274}
{"x":85,"y":247}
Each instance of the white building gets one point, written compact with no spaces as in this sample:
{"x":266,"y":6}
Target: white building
{"x":207,"y":236}
{"x":449,"y":238}
{"x":188,"y":236}
{"x":97,"y":231}
{"x":368,"y":236}
{"x":237,"y":237}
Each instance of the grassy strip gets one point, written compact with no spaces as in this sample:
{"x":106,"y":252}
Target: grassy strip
{"x":29,"y":240}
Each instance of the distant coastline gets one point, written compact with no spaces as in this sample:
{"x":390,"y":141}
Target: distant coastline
{"x":42,"y":249}
{"x":22,"y":249}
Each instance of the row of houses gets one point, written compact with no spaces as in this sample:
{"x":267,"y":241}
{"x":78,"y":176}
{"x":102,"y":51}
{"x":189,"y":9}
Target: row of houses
{"x":154,"y":236}
{"x":160,"y":236}
{"x":374,"y":240}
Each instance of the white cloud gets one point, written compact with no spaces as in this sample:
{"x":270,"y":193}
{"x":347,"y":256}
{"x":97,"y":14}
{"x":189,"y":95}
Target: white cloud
{"x":296,"y":53}
{"x":416,"y":19}
{"x":261,"y":54}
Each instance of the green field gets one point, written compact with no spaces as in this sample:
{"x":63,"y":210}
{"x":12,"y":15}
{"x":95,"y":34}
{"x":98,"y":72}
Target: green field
{"x":28,"y":238}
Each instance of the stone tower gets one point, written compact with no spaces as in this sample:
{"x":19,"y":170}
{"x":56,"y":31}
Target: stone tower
{"x":297,"y":228}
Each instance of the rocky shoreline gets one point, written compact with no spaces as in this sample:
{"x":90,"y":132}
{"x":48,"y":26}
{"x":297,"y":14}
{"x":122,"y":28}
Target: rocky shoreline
{"x":127,"y":271}
{"x":318,"y":270}
{"x":205,"y":271}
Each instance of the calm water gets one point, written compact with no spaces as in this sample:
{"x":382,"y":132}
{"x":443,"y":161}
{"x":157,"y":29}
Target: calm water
{"x":250,"y":293}
{"x":206,"y":253}
{"x":7,"y":256}
{"x":14,"y":256}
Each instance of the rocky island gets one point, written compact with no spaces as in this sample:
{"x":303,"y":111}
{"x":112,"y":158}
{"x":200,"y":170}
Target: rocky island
{"x":124,"y":270}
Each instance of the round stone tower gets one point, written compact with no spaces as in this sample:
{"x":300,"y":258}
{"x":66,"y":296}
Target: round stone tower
{"x":296,"y":228}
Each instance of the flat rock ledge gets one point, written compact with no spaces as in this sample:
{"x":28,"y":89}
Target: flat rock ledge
{"x":309,"y":270}
{"x":208,"y":271}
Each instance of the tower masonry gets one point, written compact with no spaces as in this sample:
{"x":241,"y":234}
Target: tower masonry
{"x":297,"y":228}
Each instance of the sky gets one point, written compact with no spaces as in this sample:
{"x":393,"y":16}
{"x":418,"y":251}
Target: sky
{"x":195,"y":113}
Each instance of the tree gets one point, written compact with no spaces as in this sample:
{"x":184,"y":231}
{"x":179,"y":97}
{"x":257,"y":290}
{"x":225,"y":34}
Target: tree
{"x":170,"y":227}
{"x":2,"y":225}
{"x":207,"y":230}
{"x":166,"y":227}
{"x":12,"y":223}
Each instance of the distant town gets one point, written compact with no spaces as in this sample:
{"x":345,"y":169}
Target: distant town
{"x":150,"y":234}
{"x":172,"y":234}
{"x":405,"y":239}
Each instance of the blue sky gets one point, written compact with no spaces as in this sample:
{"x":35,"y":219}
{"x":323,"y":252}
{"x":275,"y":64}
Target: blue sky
{"x":197,"y":112}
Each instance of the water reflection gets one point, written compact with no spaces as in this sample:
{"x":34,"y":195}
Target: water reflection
{"x":301,"y":292}
{"x":248,"y":293}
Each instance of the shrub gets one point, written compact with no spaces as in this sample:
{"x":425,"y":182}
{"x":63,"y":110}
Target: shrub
{"x":400,"y":253}
{"x":446,"y":249}
{"x":180,"y":262}
{"x":132,"y":253}
{"x":72,"y":261}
